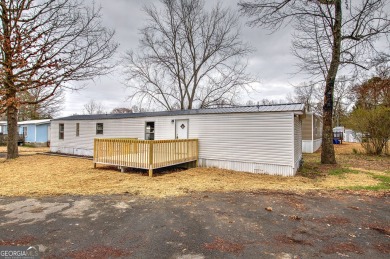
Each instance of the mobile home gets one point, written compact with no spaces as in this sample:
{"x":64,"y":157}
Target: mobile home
{"x":35,"y":131}
{"x":258,"y":139}
{"x":311,"y":133}
{"x":348,"y":135}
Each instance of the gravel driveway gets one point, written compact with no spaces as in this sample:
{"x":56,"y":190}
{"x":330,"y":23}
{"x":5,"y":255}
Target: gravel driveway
{"x":201,"y":225}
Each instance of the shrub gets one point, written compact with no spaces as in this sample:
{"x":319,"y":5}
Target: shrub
{"x":375,"y":126}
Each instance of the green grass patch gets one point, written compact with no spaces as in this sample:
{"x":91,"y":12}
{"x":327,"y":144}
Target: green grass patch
{"x":383,"y":185}
{"x":342,"y":171}
{"x":385,"y":180}
{"x":310,"y":170}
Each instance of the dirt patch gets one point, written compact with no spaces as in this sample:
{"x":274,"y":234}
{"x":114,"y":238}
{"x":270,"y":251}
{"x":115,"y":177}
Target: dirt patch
{"x":222,"y":245}
{"x":381,"y":229}
{"x":22,"y":241}
{"x":283,"y":239}
{"x":296,"y":203}
{"x":383,"y":248}
{"x":342,"y":248}
{"x":295,"y":217}
{"x":332,"y":220}
{"x":99,"y":252}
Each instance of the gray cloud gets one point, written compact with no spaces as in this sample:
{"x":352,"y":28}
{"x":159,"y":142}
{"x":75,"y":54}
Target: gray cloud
{"x":272,"y":60}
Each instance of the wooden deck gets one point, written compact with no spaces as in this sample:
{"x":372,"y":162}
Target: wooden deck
{"x":144,"y":154}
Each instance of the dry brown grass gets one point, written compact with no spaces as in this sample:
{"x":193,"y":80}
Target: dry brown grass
{"x":41,"y":175}
{"x":347,"y":158}
{"x":26,"y":150}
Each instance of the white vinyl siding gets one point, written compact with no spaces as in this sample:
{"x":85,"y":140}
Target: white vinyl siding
{"x":297,"y":142}
{"x":313,"y":143}
{"x":256,"y":142}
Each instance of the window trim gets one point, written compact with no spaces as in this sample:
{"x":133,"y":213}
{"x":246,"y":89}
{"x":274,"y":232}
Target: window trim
{"x":98,"y":130}
{"x":61,"y":133}
{"x":152,"y":132}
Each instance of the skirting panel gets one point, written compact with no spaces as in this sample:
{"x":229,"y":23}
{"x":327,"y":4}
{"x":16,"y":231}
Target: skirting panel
{"x":317,"y":144}
{"x":297,"y":163}
{"x":311,"y":146}
{"x":72,"y":151}
{"x":248,"y":167}
{"x":307,"y":146}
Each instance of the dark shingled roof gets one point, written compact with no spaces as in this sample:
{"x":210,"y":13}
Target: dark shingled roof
{"x":293,"y":107}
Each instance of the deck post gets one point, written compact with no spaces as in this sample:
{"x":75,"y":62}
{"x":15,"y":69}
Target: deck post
{"x":94,"y":153}
{"x":150,"y":158}
{"x":197,"y":152}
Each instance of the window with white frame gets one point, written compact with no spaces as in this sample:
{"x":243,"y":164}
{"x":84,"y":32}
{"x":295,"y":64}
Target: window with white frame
{"x":99,"y":128}
{"x":61,"y":131}
{"x":149,"y":130}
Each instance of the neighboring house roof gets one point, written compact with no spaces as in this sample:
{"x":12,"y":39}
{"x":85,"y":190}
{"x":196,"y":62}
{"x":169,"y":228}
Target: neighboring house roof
{"x":36,"y":122}
{"x":297,"y":108}
{"x":339,"y":129}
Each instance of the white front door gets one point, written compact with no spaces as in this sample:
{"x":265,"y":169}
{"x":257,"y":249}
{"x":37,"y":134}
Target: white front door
{"x":181,"y":129}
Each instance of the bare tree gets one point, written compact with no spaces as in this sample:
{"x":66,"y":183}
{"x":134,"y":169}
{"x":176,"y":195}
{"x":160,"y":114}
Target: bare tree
{"x":329,"y":35}
{"x":381,"y":64}
{"x":306,"y":93}
{"x":311,"y":94}
{"x":46,"y":109}
{"x":188,"y":57}
{"x":119,"y":110}
{"x":342,"y":100}
{"x":47,"y":44}
{"x":93,"y":107}
{"x":136,"y":109}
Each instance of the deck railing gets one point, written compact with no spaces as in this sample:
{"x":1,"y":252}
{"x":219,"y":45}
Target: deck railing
{"x":145,"y":154}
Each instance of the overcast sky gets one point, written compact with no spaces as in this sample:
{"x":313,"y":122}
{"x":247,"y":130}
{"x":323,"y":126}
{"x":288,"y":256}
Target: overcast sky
{"x":272,"y":61}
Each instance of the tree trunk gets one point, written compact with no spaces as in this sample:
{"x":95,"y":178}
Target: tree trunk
{"x":13,"y":134}
{"x":327,"y":152}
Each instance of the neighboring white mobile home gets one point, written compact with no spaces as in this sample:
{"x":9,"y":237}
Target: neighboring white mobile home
{"x":348,"y":134}
{"x":258,"y":139}
{"x":311,"y":133}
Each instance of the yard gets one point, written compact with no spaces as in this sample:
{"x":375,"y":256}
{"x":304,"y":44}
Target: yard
{"x":34,"y":174}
